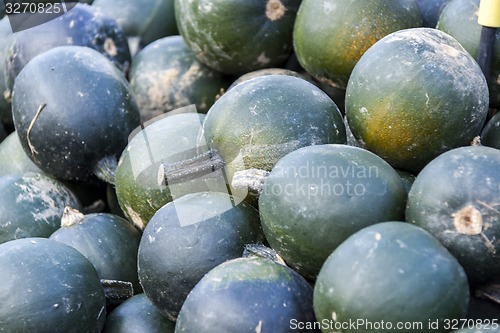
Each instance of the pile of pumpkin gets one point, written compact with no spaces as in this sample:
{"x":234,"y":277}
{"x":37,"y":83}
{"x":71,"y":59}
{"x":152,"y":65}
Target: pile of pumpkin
{"x":250,"y":166}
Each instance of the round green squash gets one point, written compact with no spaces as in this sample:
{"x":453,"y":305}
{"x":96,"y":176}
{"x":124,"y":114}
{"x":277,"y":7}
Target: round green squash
{"x":491,"y":132}
{"x":415,"y":94}
{"x":236,"y":37}
{"x":31,"y":205}
{"x":82,"y":113}
{"x":170,"y":140}
{"x":147,"y":19}
{"x":48,"y":286}
{"x":248,"y":295}
{"x":330,"y":36}
{"x":108,"y":241}
{"x":83,"y":25}
{"x":166,"y":75}
{"x":188,"y":237}
{"x":138,"y":314}
{"x":459,"y":19}
{"x":317,"y":196}
{"x":390,"y":274}
{"x":456,"y":198}
{"x":264,"y":72}
{"x":259,"y":121}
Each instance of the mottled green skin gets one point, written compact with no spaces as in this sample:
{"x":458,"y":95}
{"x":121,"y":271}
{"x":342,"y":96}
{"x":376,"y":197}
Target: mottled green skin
{"x":491,"y":133}
{"x":86,"y":117}
{"x":31,"y":205}
{"x":261,"y":120}
{"x":459,"y":19}
{"x":166,"y":75}
{"x":466,"y":176}
{"x":138,"y":314}
{"x":48,"y":286}
{"x":83,"y":25}
{"x":109,"y":242}
{"x":147,"y":19}
{"x":331,"y":35}
{"x":244,"y":294}
{"x":391,"y":272}
{"x":414,"y":95}
{"x":168,"y":140}
{"x":188,"y":237}
{"x":237,"y":36}
{"x":317,"y":196}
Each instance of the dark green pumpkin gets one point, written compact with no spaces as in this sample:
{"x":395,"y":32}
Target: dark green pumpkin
{"x":330,"y":36}
{"x":491,"y":133}
{"x":31,"y":205}
{"x":236,"y":37}
{"x":165,"y":76}
{"x":83,"y":25}
{"x":415,"y":94}
{"x":48,"y":286}
{"x":248,"y":295}
{"x":391,"y":272}
{"x":264,"y":72}
{"x":171,"y":139}
{"x":138,"y":314}
{"x":459,"y":19}
{"x":108,"y":241}
{"x":456,"y":198}
{"x":147,"y":19}
{"x":188,"y":237}
{"x":430,"y":10}
{"x":317,"y":196}
{"x":261,"y":120}
{"x":82,"y":113}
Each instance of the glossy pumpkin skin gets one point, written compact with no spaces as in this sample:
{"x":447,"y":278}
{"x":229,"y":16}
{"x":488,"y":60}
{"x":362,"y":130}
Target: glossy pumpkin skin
{"x":317,"y":196}
{"x":138,"y":314}
{"x":31,"y":205}
{"x":331,"y":35}
{"x":491,"y":133}
{"x":247,"y":295}
{"x":193,"y":234}
{"x":48,"y":287}
{"x":395,"y":272}
{"x":414,"y":95}
{"x":165,"y":76}
{"x":108,"y":241}
{"x":455,"y":197}
{"x":235,"y":36}
{"x":86,"y":117}
{"x":261,"y":120}
{"x":168,"y":140}
{"x":83,"y":25}
{"x":147,"y":19}
{"x":459,"y":19}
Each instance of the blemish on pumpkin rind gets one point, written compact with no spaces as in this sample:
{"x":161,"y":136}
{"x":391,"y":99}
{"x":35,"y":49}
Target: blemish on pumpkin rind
{"x":275,"y":10}
{"x":468,"y":221}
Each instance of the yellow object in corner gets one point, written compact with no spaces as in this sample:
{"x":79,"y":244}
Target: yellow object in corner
{"x":489,"y":13}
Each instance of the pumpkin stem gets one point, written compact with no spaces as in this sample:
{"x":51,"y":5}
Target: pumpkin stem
{"x":71,"y":217}
{"x":105,"y":169}
{"x":251,"y":179}
{"x":117,"y":292}
{"x":262,"y":251}
{"x":178,"y":172}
